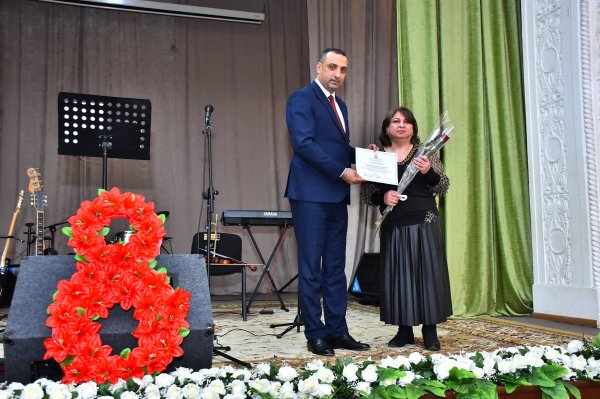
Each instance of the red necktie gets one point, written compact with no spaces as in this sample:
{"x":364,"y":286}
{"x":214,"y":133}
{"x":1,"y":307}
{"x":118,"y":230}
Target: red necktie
{"x":332,"y":102}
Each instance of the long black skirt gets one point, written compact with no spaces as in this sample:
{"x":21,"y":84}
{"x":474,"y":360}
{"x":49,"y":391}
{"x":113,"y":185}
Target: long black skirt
{"x":415,"y":286}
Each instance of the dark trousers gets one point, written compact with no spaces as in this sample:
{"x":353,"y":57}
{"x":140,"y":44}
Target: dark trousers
{"x":320,"y":230}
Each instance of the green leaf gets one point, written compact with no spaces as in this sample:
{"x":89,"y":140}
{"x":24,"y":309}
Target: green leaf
{"x":161,"y":270}
{"x":596,"y":341}
{"x":461,"y":374}
{"x":68,"y":360}
{"x":162,"y":217}
{"x":573,"y":390}
{"x":184,"y":332}
{"x":554,"y":371}
{"x":80,"y":312}
{"x":80,"y":258}
{"x":394,"y":391}
{"x":152,"y":263}
{"x":100,"y":191}
{"x":104,"y":231}
{"x":68,"y":231}
{"x":558,"y":391}
{"x":538,"y":377}
{"x":125,"y":353}
{"x":390,"y":373}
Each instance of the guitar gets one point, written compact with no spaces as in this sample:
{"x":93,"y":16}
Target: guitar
{"x":38,"y":200}
{"x":10,"y":233}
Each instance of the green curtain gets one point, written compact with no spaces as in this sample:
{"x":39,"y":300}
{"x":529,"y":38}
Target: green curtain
{"x":464,"y":56}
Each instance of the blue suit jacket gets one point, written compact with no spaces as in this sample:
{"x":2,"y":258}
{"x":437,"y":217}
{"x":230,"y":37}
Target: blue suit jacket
{"x":321,"y":152}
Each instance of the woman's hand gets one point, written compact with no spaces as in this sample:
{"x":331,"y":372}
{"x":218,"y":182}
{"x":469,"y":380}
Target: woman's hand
{"x":391,"y":198}
{"x":422,"y":164}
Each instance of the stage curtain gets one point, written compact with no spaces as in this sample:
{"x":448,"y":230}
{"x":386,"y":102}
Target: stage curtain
{"x":464,"y":57}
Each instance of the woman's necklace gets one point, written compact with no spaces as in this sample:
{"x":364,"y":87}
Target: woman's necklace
{"x":409,"y":155}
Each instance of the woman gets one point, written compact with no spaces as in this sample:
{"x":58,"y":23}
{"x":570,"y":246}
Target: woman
{"x":415,"y":288}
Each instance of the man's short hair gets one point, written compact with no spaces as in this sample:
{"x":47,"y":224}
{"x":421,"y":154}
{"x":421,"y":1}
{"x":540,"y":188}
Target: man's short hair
{"x":331,"y":50}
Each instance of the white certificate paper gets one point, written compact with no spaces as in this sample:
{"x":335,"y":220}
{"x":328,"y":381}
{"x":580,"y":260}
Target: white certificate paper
{"x":377,"y":166}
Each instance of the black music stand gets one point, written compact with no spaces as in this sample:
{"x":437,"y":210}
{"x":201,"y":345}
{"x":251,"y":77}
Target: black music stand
{"x":100,"y":126}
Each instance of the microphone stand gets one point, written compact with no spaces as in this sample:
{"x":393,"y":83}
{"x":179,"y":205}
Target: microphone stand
{"x":209,"y":195}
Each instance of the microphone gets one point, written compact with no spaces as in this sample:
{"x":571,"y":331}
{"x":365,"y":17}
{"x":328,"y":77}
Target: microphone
{"x":207,"y":111}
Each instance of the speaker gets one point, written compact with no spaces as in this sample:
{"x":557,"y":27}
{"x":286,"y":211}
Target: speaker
{"x":36,"y":283}
{"x":365,"y":282}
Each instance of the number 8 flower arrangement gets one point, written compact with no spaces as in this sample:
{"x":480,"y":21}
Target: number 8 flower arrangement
{"x":109,"y":274}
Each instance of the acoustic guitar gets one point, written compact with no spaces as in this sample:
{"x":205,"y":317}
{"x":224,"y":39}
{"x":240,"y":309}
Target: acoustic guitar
{"x":3,"y":265}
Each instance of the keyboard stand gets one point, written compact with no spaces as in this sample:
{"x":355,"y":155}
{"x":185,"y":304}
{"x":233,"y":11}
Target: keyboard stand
{"x":266,"y":271}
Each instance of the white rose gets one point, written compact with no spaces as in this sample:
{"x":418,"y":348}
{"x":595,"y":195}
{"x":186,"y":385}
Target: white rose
{"x":238,"y":387}
{"x":308,"y":386}
{"x":504,"y":366}
{"x":287,"y":391}
{"x":114,"y":387}
{"x":388,"y":381}
{"x":575,"y":346}
{"x":182,"y":373}
{"x":349,"y":372}
{"x":323,"y":390}
{"x":209,"y":393}
{"x":407,"y":379}
{"x":390,"y":362}
{"x":152,"y":392}
{"x":164,"y":380}
{"x":218,"y":387}
{"x":369,"y":374}
{"x":174,"y":392}
{"x":325,"y":375}
{"x":191,"y":391}
{"x":87,"y":390}
{"x":58,"y":391}
{"x":442,"y":369}
{"x":478,"y":372}
{"x":14,"y":386}
{"x":578,"y":362}
{"x":314,"y":365}
{"x":32,"y":391}
{"x":274,"y":389}
{"x":129,"y":395}
{"x":242,"y":372}
{"x":286,"y":373}
{"x":363,"y":387}
{"x":416,"y":358}
{"x":6,"y":394}
{"x":260,"y":385}
{"x":263,"y":369}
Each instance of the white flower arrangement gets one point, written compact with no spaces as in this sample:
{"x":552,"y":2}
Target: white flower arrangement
{"x":475,"y":374}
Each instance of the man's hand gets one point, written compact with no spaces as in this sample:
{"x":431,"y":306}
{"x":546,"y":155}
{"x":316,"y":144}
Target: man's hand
{"x":373,"y":147}
{"x":351,"y":177}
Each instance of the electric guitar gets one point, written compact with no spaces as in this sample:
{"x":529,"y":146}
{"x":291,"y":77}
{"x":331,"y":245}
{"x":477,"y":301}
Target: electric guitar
{"x":10,"y":233}
{"x":38,"y":200}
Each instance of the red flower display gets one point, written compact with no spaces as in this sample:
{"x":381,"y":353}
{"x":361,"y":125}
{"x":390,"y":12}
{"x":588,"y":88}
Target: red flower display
{"x":110,"y":274}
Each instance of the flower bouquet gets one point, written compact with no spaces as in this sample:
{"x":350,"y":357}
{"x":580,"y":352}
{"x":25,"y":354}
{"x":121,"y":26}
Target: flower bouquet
{"x":437,"y":138}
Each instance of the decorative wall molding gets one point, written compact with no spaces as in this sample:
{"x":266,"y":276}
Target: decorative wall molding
{"x":590,"y":54}
{"x":551,"y":129}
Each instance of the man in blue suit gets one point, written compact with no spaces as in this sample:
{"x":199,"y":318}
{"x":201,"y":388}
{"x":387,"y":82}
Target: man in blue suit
{"x":318,"y":188}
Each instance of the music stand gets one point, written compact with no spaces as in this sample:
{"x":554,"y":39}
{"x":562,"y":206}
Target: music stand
{"x":100,"y":126}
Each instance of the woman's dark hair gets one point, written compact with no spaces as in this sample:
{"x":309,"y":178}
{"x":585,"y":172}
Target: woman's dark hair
{"x":410,"y":118}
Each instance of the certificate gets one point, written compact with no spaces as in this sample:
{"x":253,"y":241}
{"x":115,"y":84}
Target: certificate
{"x":377,"y":166}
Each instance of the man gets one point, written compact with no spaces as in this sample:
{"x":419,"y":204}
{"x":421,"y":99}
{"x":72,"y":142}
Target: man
{"x":318,"y":188}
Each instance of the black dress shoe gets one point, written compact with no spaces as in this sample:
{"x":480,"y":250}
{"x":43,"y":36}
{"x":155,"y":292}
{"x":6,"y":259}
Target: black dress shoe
{"x":320,"y":346}
{"x":347,"y":342}
{"x":403,"y":336}
{"x":431,"y":341}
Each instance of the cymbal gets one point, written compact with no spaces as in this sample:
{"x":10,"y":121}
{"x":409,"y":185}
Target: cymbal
{"x":166,"y":213}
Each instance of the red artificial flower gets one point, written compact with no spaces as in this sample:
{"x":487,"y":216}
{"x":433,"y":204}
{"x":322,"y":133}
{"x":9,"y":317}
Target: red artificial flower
{"x":111,"y":274}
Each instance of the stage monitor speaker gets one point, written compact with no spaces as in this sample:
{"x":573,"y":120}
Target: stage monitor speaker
{"x":365,"y":282}
{"x":36,"y":283}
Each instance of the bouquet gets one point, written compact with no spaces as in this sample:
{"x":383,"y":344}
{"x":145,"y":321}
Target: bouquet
{"x":437,"y":138}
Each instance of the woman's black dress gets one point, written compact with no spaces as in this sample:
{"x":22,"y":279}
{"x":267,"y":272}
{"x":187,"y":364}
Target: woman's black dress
{"x":414,"y":281}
